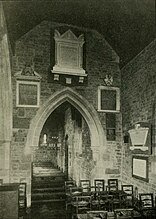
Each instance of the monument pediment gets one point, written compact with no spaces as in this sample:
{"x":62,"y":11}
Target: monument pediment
{"x":68,"y":55}
{"x":68,"y":36}
{"x":28,"y":73}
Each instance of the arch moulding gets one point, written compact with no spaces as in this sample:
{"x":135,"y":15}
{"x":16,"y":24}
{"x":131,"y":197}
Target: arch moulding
{"x":81,"y":104}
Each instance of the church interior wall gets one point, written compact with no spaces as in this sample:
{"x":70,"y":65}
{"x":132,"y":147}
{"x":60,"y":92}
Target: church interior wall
{"x":36,"y":48}
{"x":138,"y":105}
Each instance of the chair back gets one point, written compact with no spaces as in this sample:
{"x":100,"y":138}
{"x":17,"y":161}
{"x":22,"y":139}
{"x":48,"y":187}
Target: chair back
{"x":112,"y":185}
{"x":92,"y":189}
{"x":128,"y":189}
{"x":99,"y":184}
{"x":95,"y":205}
{"x":129,"y":196}
{"x":105,"y":201}
{"x":75,"y":190}
{"x":69,"y":184}
{"x":85,"y":184}
{"x":82,"y":203}
{"x":146,"y":200}
{"x":22,"y":200}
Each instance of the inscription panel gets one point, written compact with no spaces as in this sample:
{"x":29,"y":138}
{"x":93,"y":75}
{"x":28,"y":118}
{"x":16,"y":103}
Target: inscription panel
{"x":68,"y":56}
{"x":27,"y":94}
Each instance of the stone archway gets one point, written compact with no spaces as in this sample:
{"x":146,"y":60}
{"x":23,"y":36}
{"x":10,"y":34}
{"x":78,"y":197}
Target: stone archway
{"x":81,"y":104}
{"x":97,"y":136}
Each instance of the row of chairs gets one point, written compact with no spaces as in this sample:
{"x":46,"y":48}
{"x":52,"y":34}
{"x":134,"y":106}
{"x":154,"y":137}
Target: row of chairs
{"x":96,"y":197}
{"x":99,"y":185}
{"x":116,"y":214}
{"x":109,"y":198}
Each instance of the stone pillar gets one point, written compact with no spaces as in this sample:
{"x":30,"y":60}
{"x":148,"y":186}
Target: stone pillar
{"x":5,"y":98}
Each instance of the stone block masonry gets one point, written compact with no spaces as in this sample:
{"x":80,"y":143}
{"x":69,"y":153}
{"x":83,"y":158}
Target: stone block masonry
{"x":100,"y":60}
{"x":138,"y":105}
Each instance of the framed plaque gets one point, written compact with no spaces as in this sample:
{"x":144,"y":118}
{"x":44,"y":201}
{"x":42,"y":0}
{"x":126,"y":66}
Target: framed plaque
{"x":68,"y":54}
{"x":108,"y":99}
{"x":140,"y":167}
{"x":27,"y":94}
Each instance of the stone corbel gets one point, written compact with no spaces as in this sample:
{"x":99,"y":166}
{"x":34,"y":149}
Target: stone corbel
{"x":68,"y":80}
{"x":56,"y":77}
{"x":81,"y":79}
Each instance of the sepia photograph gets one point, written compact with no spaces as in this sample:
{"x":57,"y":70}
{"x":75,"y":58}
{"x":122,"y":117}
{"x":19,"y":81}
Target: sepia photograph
{"x":77,"y":109}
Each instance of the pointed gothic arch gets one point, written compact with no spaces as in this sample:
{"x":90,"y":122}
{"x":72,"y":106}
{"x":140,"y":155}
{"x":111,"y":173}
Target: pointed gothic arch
{"x":81,"y":104}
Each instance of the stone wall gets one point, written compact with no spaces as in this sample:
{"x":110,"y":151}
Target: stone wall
{"x":5,"y":100}
{"x":138,"y":105}
{"x":80,"y":162}
{"x":100,"y":60}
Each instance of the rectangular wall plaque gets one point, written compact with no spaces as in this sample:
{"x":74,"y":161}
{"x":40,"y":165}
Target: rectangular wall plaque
{"x":27,"y":94}
{"x":140,"y":167}
{"x":108,"y":99}
{"x":69,"y":56}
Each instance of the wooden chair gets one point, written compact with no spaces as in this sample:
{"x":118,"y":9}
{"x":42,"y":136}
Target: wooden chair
{"x":93,"y":189}
{"x":95,"y":201}
{"x":22,"y":199}
{"x":69,"y":184}
{"x":99,"y":184}
{"x":80,"y":205}
{"x":147,"y":205}
{"x":128,"y":201}
{"x":76,"y":190}
{"x":105,"y":201}
{"x":117,"y":201}
{"x":85,"y":184}
{"x":112,"y":185}
{"x":112,"y":189}
{"x":73,"y":192}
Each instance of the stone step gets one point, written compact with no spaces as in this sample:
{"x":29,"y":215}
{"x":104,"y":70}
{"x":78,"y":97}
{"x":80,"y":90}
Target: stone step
{"x":49,"y":214}
{"x":44,"y":196}
{"x":46,"y":171}
{"x":51,"y":180}
{"x":43,"y":164}
{"x":50,"y":177}
{"x":49,"y":190}
{"x":54,"y":178}
{"x":43,"y":184}
{"x":53,"y":203}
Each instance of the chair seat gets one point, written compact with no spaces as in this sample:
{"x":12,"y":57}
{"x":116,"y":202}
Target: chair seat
{"x":97,"y":214}
{"x":148,"y":212}
{"x":82,"y":203}
{"x":76,"y":193}
{"x":123,"y":213}
{"x":115,"y":201}
{"x":103,"y":202}
{"x":95,"y":202}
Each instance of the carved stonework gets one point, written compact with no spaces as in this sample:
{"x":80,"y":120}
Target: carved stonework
{"x":108,"y":80}
{"x":28,"y":70}
{"x":28,"y":73}
{"x":68,"y":54}
{"x":81,"y":79}
{"x":68,"y":35}
{"x":56,"y":77}
{"x":68,"y":80}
